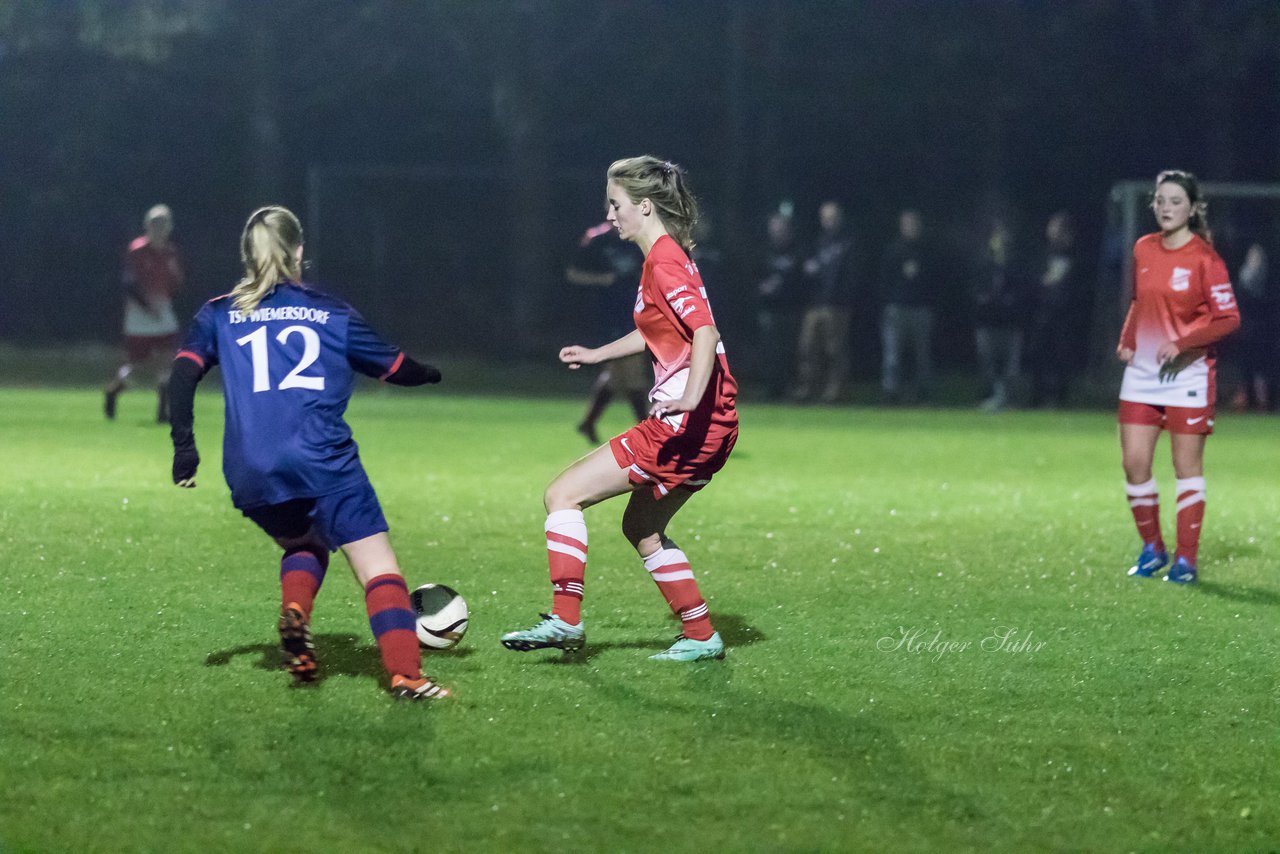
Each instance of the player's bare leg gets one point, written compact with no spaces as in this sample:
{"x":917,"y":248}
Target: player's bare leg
{"x":601,"y":395}
{"x":589,"y":480}
{"x":162,"y":394}
{"x":111,"y":393}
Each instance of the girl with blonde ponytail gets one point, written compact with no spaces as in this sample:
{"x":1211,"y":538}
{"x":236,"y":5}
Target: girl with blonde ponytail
{"x":289,"y":355}
{"x":663,"y":460}
{"x":271,"y":249}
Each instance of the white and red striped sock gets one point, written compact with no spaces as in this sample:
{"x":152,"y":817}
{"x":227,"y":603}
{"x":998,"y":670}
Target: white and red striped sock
{"x":1144,"y":501}
{"x":670,"y":570}
{"x":1190,"y":515}
{"x":567,"y":558}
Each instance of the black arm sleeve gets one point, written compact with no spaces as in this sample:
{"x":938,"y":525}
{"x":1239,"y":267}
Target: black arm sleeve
{"x":182,"y":392}
{"x":413,"y":372}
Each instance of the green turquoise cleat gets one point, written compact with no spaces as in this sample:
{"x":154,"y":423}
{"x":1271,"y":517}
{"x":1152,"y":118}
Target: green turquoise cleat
{"x":551,"y":633}
{"x":688,"y":649}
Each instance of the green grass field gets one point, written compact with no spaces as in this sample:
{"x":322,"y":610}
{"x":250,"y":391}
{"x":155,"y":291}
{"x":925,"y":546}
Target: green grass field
{"x":142,"y":709}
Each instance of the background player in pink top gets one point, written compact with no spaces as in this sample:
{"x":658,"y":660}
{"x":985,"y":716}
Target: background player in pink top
{"x":663,"y":460}
{"x":1182,"y":306}
{"x":151,"y":275}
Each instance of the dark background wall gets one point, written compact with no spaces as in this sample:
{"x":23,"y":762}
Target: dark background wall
{"x":456,"y":150}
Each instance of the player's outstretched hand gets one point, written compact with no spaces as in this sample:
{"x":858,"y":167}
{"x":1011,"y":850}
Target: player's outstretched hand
{"x":575,"y":356}
{"x":185,"y":463}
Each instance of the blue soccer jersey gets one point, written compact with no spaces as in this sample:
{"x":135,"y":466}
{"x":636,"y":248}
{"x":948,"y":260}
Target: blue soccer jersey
{"x":288,"y":369}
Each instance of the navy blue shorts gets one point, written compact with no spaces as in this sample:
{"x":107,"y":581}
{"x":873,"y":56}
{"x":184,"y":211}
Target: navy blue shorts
{"x":337,"y":519}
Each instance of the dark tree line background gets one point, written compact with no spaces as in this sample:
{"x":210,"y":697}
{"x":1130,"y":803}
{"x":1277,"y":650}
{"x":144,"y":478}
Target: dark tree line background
{"x":512,"y":109}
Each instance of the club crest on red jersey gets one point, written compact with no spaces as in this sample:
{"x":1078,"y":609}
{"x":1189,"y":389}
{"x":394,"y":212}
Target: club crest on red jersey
{"x":1223,"y":296}
{"x":1181,"y":279}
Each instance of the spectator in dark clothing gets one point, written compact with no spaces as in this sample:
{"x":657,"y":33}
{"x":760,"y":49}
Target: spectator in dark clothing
{"x":1255,"y":347}
{"x":823,"y":362}
{"x":610,"y":268}
{"x":908,"y":291}
{"x":780,"y":299}
{"x":999,"y":301}
{"x":1055,"y":334}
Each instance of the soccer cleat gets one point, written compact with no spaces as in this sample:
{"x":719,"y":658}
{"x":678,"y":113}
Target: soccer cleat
{"x":1183,"y":571}
{"x":551,"y":633}
{"x":1150,"y":561}
{"x":295,"y":643}
{"x":404,"y":688}
{"x":688,"y":649}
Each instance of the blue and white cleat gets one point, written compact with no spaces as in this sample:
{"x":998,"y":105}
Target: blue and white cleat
{"x":1150,"y":561}
{"x":1183,"y":571}
{"x":688,"y":649}
{"x":551,"y":633}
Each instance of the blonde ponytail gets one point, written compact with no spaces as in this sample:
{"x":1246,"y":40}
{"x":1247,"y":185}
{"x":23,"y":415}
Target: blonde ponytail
{"x":662,"y":182}
{"x":268,"y":248}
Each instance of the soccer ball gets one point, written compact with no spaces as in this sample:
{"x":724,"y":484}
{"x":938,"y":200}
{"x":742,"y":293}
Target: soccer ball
{"x":442,"y":615}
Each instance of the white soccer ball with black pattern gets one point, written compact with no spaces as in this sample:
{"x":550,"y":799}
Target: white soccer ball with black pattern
{"x":442,"y":615}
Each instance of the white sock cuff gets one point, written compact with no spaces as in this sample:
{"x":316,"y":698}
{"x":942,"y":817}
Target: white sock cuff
{"x":664,"y":557}
{"x":1187,"y":484}
{"x":1148,"y":488}
{"x":569,"y":523}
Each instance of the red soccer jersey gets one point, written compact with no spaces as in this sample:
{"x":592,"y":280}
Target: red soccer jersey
{"x":670,"y":304}
{"x":1177,"y":294}
{"x":156,"y":272}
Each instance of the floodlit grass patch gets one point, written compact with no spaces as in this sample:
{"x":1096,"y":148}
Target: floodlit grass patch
{"x":933,"y":646}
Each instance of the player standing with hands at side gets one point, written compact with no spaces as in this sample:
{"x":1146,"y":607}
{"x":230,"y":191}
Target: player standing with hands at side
{"x":1182,"y":306}
{"x":152,"y":275}
{"x":663,"y":460}
{"x":288,"y":356}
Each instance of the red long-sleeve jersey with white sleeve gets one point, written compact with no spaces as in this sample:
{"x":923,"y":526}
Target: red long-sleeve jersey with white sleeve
{"x":1181,"y":295}
{"x":671,"y":303}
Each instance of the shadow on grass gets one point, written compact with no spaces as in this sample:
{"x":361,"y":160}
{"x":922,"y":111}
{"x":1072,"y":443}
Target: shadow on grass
{"x":339,"y":655}
{"x":733,"y":628}
{"x":862,"y":749}
{"x":1240,"y":593}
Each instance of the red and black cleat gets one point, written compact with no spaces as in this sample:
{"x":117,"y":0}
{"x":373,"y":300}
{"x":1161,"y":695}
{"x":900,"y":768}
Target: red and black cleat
{"x":404,"y":688}
{"x":295,"y":643}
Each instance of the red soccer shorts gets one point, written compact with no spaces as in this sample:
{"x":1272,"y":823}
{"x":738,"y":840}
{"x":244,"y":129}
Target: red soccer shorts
{"x":656,"y":456}
{"x":1175,"y":419}
{"x":138,"y":348}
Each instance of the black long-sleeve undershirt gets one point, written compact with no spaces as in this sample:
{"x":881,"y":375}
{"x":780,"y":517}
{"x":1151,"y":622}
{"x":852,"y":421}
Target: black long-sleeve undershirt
{"x":412,"y":372}
{"x":185,"y":376}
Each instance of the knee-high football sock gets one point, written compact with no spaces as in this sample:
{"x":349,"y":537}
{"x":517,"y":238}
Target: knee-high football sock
{"x":391,"y":617}
{"x":567,"y":559}
{"x":301,"y":574}
{"x":670,"y":570}
{"x":1144,"y":501}
{"x":1190,"y":515}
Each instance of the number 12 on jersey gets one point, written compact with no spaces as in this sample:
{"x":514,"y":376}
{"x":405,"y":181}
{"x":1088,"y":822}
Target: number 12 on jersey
{"x":257,"y":341}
